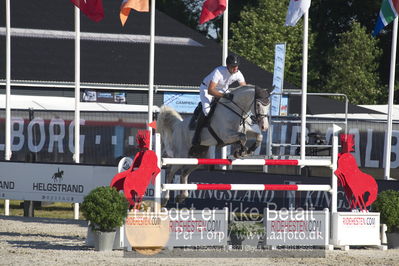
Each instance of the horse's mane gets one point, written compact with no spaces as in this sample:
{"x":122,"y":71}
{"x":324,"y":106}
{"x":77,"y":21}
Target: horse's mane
{"x":242,"y":87}
{"x":260,"y":93}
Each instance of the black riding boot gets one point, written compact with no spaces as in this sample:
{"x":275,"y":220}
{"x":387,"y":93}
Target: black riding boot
{"x":197,"y":148}
{"x":200,"y":124}
{"x":196,"y":114}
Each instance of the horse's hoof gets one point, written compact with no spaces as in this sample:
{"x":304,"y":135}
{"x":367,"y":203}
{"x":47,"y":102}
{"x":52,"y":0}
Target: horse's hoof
{"x":240,"y":153}
{"x":164,"y":202}
{"x":180,"y":199}
{"x":236,"y":155}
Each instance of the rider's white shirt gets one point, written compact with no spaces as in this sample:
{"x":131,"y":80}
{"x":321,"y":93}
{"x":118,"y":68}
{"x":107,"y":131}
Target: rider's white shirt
{"x":223,"y":79}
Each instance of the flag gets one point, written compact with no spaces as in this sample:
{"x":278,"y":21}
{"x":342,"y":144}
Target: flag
{"x":211,"y":9}
{"x":153,"y":124}
{"x":296,"y":9}
{"x":93,"y":9}
{"x":388,"y":12}
{"x":127,"y":5}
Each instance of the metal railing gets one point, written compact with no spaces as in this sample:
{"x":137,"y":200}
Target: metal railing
{"x":270,"y":144}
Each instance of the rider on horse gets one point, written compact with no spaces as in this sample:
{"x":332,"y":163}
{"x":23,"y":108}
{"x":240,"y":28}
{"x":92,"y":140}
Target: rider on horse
{"x":216,"y":84}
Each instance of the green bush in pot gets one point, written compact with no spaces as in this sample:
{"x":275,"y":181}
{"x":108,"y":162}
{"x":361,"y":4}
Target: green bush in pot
{"x":245,"y":233}
{"x":105,"y":208}
{"x":387,"y":204}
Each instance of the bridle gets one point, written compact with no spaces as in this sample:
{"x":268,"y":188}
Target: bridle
{"x":257,"y":117}
{"x":242,"y":114}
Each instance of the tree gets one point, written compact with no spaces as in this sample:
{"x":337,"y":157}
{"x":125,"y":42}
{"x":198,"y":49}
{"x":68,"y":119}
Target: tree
{"x":260,"y":28}
{"x":354,"y":66}
{"x":330,"y":18}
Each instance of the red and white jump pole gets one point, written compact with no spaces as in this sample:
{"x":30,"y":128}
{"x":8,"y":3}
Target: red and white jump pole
{"x":246,"y":187}
{"x":195,"y":161}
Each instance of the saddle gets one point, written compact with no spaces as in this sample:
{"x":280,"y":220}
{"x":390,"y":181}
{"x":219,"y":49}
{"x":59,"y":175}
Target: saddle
{"x":198,"y":111}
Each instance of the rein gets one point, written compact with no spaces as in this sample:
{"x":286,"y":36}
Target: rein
{"x":244,"y":115}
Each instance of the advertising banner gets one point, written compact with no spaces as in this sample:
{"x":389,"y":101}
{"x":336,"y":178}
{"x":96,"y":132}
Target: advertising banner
{"x":51,"y":182}
{"x":198,"y":227}
{"x":300,"y":227}
{"x":278,"y":78}
{"x":177,"y":228}
{"x":181,"y":102}
{"x":351,"y":228}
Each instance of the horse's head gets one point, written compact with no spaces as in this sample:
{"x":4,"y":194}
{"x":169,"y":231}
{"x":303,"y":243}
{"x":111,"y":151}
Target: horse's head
{"x":262,"y":107}
{"x":250,"y":98}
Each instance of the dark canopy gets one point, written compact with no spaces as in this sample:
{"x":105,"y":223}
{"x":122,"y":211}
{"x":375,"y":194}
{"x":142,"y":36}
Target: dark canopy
{"x":104,"y":61}
{"x":324,"y":105}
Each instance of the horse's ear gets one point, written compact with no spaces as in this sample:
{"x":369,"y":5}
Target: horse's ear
{"x":261,"y":93}
{"x":268,"y":91}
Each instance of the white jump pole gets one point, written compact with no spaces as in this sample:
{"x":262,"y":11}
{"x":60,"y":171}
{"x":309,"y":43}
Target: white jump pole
{"x":224,"y":56}
{"x":157,"y":185}
{"x":334,"y":180}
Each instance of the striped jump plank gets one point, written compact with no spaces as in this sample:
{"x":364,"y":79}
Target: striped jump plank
{"x":247,"y":187}
{"x":195,"y":161}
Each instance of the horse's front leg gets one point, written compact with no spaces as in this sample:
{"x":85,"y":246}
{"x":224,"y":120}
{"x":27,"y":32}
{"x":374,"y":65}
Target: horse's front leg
{"x":239,"y":139}
{"x":169,"y":180}
{"x":242,"y":150}
{"x":257,"y":143}
{"x":184,"y":180}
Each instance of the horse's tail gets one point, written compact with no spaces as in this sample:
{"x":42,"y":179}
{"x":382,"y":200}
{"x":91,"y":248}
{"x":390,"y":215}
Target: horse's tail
{"x":167,"y":119}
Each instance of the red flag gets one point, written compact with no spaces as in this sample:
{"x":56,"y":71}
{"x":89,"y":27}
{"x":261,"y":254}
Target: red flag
{"x":211,"y":9}
{"x":93,"y":9}
{"x":153,"y":124}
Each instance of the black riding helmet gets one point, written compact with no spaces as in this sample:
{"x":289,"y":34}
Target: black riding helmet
{"x":232,"y":60}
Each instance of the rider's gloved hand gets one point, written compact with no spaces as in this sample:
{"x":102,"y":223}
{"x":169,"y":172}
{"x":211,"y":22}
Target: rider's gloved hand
{"x":228,"y":96}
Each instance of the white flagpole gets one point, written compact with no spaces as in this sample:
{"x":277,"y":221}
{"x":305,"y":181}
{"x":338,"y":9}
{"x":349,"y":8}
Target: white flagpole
{"x":224,"y":56}
{"x":225,"y":33}
{"x":151,"y":68}
{"x":7,"y":151}
{"x":77,"y":99}
{"x":7,"y":148}
{"x":388,"y":135}
{"x":77,"y":86}
{"x":304,"y":83}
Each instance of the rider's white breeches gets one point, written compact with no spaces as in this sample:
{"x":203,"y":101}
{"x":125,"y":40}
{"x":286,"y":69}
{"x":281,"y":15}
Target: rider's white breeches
{"x":206,"y":99}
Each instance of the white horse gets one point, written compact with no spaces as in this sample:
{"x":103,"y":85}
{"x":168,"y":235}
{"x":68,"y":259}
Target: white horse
{"x":233,"y":122}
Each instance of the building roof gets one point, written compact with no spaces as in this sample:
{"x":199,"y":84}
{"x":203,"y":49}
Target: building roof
{"x":50,"y":103}
{"x":323,"y":105}
{"x":42,"y":47}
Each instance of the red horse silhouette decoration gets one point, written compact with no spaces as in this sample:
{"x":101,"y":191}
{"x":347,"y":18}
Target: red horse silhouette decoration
{"x":355,"y":183}
{"x":144,"y":169}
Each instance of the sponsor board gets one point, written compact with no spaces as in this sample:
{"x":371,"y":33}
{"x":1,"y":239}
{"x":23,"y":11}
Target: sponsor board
{"x":51,"y":182}
{"x":182,"y":102}
{"x":296,"y":227}
{"x":351,"y":228}
{"x":177,"y":228}
{"x":198,"y":227}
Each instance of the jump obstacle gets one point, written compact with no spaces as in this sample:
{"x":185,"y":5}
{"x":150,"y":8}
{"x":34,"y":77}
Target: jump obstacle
{"x":194,"y":161}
